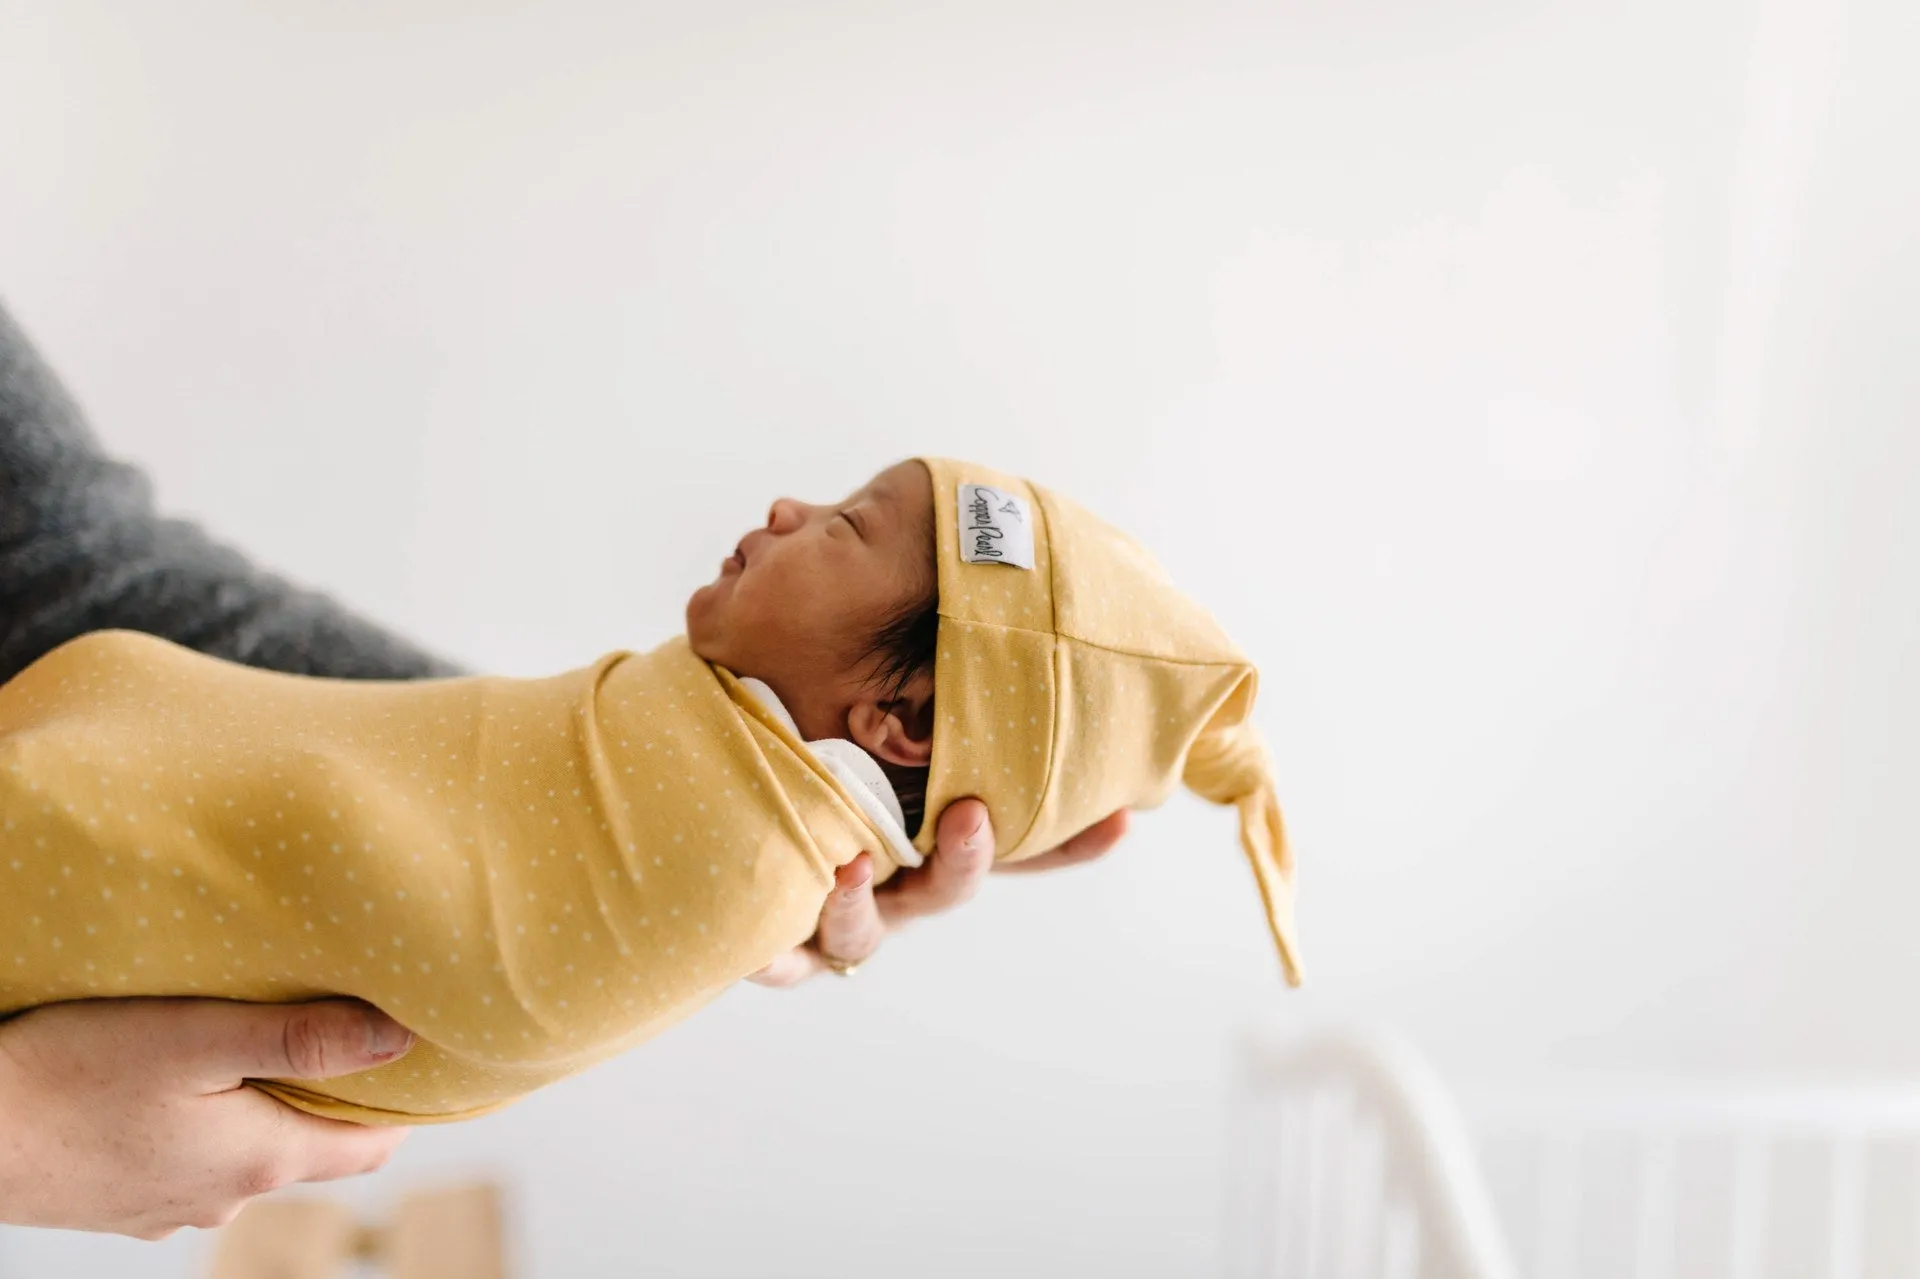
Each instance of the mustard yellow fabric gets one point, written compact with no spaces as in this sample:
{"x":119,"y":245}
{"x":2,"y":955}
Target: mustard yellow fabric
{"x":1089,"y":684}
{"x":530,"y":874}
{"x":534,"y":875}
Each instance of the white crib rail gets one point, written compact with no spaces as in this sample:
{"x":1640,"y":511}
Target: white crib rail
{"x":1803,"y":1181}
{"x":1351,"y":1163}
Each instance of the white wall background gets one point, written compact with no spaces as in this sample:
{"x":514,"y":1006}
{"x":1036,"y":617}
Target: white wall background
{"x":1532,"y":388}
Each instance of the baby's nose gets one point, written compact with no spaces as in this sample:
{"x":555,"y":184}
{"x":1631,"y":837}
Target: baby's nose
{"x":786,"y":515}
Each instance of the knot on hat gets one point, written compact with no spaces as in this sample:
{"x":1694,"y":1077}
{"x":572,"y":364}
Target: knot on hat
{"x":1227,"y":765}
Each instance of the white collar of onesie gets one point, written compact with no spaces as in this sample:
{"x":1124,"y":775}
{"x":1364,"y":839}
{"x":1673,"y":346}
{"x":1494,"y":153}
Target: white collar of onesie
{"x":858,"y":773}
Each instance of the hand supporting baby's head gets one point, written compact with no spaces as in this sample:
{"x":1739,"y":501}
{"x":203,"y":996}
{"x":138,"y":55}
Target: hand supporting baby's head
{"x":836,"y":608}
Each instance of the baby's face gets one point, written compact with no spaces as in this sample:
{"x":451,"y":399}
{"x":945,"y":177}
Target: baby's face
{"x":799,"y":602}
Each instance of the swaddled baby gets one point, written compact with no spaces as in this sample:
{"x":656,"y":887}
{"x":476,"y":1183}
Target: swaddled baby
{"x":533,"y":875}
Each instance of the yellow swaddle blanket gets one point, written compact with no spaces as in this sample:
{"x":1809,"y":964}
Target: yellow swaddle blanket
{"x":529,"y":874}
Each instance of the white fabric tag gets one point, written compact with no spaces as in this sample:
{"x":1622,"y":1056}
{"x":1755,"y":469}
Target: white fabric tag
{"x":995,"y":527}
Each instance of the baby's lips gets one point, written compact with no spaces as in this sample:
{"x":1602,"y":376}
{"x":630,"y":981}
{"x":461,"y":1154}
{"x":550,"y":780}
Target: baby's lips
{"x":744,"y":551}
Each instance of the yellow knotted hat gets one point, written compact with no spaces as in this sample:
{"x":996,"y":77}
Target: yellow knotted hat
{"x":1073,"y":679}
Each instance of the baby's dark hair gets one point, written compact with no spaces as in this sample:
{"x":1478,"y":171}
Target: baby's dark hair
{"x":903,"y":648}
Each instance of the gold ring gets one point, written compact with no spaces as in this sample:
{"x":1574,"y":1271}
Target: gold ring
{"x":841,"y":967}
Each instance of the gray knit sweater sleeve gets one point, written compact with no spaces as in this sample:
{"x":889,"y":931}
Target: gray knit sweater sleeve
{"x":83,"y":549}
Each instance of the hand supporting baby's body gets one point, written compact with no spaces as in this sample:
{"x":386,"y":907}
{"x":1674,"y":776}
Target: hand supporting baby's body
{"x":530,"y":874}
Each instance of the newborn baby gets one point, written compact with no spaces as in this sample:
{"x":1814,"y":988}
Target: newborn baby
{"x":533,"y":875}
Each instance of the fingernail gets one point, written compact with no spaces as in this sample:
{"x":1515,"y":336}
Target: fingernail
{"x":386,"y":1037}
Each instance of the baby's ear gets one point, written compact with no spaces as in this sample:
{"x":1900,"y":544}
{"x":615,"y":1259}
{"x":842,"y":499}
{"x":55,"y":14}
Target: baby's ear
{"x":898,"y":727}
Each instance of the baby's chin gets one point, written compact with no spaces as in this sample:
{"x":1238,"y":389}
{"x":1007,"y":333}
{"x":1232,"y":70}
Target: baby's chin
{"x":706,"y":619}
{"x":699,"y":618}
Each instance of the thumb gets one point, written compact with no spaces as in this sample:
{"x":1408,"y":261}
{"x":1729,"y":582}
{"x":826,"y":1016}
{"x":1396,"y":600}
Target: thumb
{"x":965,"y":831}
{"x":220,"y":1044}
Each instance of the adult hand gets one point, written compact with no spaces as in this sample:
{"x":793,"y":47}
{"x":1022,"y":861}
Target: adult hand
{"x":128,"y":1116}
{"x":857,"y":917}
